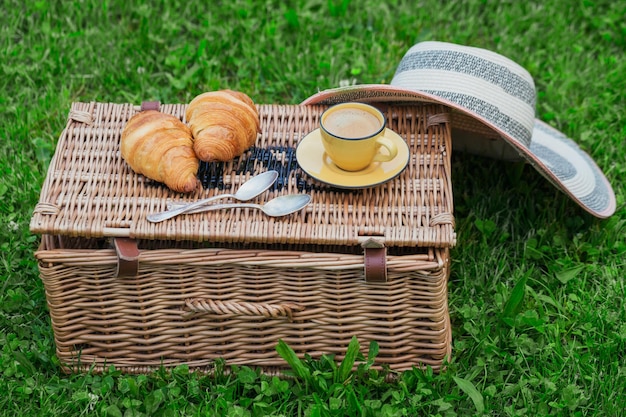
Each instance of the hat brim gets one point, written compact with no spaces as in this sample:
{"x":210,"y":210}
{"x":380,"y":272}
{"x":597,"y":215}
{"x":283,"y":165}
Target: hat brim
{"x":558,"y":158}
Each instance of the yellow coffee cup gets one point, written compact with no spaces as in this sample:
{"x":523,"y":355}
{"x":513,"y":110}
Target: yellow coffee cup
{"x":353,"y":135}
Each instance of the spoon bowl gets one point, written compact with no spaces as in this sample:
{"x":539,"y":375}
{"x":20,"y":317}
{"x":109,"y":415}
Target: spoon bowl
{"x":254,"y":186}
{"x":248,"y":190}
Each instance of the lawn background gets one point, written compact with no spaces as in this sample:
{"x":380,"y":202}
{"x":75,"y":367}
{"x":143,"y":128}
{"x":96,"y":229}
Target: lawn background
{"x":537,"y":286}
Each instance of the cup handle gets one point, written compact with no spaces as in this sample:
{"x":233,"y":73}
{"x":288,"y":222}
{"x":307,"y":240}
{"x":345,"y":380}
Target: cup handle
{"x":392,"y":149}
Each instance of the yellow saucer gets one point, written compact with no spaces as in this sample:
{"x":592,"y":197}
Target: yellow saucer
{"x":314,"y":161}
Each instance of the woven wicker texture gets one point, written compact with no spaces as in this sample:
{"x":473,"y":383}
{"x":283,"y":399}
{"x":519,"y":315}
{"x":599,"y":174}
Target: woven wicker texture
{"x":91,"y":192}
{"x":193,"y":306}
{"x":230,"y":284}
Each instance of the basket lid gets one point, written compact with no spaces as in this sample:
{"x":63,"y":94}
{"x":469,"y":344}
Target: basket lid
{"x":89,"y":191}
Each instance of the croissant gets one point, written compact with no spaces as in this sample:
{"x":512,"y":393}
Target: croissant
{"x":223,"y":123}
{"x":160,"y":146}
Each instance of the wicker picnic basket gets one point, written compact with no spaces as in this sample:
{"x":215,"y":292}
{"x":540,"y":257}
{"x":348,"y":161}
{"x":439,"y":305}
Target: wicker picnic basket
{"x":230,"y":284}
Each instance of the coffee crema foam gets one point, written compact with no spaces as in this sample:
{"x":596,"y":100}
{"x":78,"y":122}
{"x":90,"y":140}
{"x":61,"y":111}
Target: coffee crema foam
{"x":351,"y":123}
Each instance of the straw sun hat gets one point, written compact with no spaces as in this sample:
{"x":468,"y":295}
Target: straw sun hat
{"x":493,"y":99}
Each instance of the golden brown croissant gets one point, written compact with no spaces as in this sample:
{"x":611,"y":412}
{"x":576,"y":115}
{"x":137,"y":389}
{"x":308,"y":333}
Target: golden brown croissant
{"x":160,"y":146}
{"x":223,"y":123}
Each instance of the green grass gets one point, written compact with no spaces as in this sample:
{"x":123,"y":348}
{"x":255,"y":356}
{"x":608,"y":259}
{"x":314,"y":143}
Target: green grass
{"x":537,"y":292}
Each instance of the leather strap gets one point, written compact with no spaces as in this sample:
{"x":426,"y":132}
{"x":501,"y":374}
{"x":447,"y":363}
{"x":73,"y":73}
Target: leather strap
{"x":375,"y":254}
{"x":150,"y":105}
{"x":127,"y":257}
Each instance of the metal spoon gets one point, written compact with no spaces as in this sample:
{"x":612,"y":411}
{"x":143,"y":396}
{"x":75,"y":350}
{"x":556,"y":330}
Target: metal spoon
{"x":276,"y":207}
{"x":248,"y":190}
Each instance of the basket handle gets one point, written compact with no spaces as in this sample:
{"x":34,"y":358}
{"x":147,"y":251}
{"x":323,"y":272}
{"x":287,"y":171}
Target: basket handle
{"x":270,"y":311}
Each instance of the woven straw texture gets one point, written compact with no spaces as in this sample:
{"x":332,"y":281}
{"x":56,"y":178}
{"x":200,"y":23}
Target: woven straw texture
{"x":91,"y":192}
{"x":230,"y":284}
{"x":195,"y":305}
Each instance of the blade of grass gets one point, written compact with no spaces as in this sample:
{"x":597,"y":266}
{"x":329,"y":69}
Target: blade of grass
{"x":289,"y":355}
{"x":468,"y":388}
{"x":344,"y":370}
{"x":514,"y":303}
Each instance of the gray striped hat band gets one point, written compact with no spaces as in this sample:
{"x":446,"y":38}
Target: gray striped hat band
{"x":495,"y":93}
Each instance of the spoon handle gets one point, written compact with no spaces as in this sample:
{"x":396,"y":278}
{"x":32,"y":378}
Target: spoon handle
{"x":223,"y":206}
{"x":174,"y":206}
{"x":185,"y":208}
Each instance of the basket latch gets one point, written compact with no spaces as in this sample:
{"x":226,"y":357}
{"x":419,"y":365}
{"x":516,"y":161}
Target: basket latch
{"x":127,"y":257}
{"x":375,"y":253}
